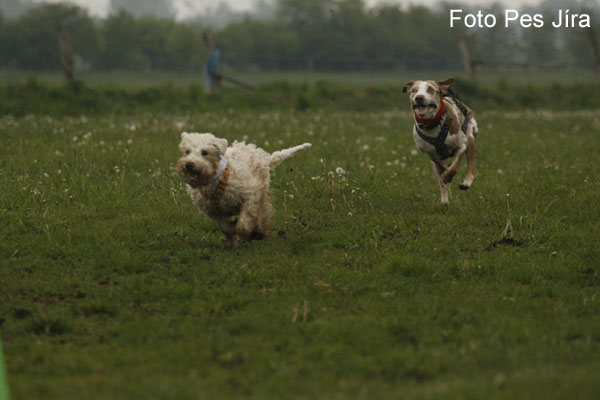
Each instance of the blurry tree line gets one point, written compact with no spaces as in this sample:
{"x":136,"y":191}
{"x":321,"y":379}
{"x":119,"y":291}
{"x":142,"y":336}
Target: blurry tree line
{"x":297,"y":34}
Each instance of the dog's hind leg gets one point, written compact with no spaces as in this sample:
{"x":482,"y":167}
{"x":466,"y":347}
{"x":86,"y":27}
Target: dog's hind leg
{"x":468,"y":181}
{"x":439,"y":169}
{"x":263,"y":225}
{"x":254,"y":216}
{"x":247,"y":220}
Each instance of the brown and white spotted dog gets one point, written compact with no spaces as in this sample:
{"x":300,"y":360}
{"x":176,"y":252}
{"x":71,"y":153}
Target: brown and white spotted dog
{"x":444,"y":129}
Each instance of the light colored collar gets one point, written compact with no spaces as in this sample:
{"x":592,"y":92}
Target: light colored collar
{"x":219,"y":182}
{"x":222,"y":165}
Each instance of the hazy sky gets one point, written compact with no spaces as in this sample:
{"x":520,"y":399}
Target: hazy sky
{"x":100,"y":7}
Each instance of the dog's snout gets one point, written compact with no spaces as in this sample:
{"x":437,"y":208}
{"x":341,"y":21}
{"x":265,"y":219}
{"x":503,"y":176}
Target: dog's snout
{"x":419,"y":99}
{"x":189,"y":166}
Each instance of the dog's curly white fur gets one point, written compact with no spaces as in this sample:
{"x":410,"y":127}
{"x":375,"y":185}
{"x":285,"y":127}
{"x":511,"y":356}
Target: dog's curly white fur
{"x":246,"y":191}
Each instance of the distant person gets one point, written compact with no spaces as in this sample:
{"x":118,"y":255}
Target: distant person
{"x":212,"y":66}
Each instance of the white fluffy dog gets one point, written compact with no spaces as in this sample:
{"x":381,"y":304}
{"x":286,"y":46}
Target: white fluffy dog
{"x":231,"y":181}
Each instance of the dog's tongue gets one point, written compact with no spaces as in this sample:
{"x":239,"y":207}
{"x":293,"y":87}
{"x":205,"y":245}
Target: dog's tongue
{"x":422,"y":110}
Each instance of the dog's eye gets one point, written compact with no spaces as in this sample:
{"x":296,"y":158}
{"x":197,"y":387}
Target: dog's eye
{"x":204,"y":153}
{"x":187,"y":152}
{"x":414,"y":91}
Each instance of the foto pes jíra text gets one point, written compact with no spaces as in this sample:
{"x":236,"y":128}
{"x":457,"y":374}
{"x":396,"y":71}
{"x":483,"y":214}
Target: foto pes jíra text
{"x":563,"y":19}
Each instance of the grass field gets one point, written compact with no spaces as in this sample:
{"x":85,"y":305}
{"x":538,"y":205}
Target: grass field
{"x":141,"y":79}
{"x":113,"y":286}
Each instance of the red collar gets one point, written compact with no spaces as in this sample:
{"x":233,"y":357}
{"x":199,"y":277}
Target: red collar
{"x":434,"y":119}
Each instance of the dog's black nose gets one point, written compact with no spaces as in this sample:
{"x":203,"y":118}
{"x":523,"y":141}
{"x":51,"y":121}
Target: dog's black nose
{"x":419,"y":99}
{"x":189,"y":166}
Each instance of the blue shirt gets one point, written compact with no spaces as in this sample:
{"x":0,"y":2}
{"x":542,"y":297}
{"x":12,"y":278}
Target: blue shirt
{"x":211,"y":69}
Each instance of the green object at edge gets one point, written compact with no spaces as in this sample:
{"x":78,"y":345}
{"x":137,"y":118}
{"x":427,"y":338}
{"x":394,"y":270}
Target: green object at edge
{"x":3,"y":382}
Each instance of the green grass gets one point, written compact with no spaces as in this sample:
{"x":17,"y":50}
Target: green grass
{"x":113,"y":286}
{"x":143,"y":79}
{"x":35,"y":97}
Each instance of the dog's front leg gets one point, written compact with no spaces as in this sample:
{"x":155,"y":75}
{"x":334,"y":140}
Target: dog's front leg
{"x":452,"y":169}
{"x":228,"y":227}
{"x":439,"y":169}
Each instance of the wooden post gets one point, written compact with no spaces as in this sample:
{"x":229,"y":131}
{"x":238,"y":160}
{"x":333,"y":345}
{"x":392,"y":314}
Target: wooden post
{"x":467,"y":58}
{"x":66,"y":51}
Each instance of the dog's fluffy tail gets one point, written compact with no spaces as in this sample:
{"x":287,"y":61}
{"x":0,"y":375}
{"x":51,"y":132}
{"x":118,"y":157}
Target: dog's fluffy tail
{"x":279,"y":156}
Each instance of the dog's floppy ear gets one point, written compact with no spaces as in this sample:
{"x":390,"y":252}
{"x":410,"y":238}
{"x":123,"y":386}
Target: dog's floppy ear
{"x":446,"y":84}
{"x":221,"y":145}
{"x":407,"y":87}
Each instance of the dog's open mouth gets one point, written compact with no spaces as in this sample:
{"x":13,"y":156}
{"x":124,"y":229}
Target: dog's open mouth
{"x":423,"y":110}
{"x":196,"y":179}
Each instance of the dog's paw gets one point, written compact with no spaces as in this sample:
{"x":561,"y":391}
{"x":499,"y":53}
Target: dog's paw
{"x":447,"y":176}
{"x":256,"y":235}
{"x":243,"y":230}
{"x":467,"y":182}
